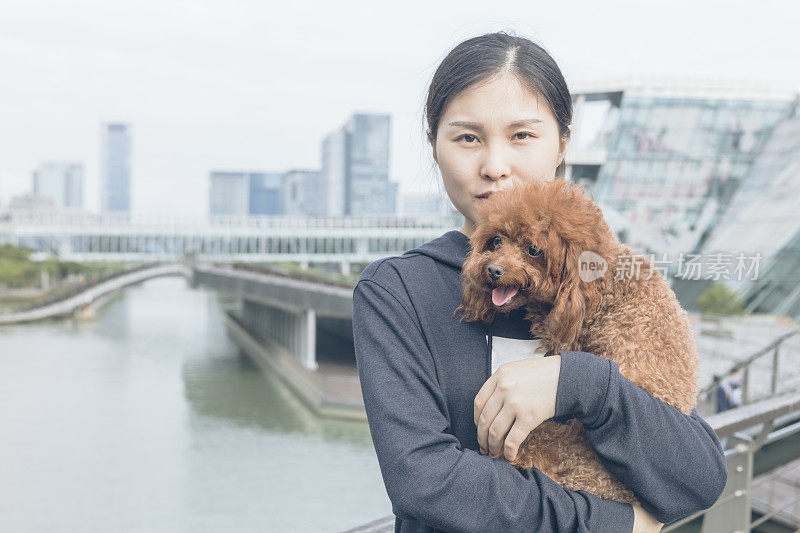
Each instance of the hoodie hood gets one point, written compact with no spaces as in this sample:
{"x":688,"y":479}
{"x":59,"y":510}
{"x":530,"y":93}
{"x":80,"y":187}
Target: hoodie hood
{"x":451,"y":249}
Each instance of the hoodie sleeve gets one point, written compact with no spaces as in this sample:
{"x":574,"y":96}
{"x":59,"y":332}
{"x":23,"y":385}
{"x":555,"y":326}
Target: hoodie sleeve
{"x":428,"y":475}
{"x":673,"y":463}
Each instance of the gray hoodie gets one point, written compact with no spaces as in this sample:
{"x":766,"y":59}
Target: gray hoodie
{"x":420,"y":369}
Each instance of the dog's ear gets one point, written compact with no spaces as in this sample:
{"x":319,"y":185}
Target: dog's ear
{"x":476,"y":300}
{"x":573,"y":296}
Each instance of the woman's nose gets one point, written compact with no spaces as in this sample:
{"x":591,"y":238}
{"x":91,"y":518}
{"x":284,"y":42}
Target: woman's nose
{"x":495,"y":164}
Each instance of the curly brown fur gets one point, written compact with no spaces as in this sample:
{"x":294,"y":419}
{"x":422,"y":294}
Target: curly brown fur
{"x":632,"y":319}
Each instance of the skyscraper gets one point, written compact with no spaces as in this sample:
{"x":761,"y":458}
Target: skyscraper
{"x":302,"y":193}
{"x":245,"y":193}
{"x":115,"y":167}
{"x":265,"y":193}
{"x":61,"y":182}
{"x":228,"y":194}
{"x":355,"y":167}
{"x":334,"y":172}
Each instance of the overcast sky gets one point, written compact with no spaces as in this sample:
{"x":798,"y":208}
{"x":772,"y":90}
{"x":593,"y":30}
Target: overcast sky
{"x":257,"y":85}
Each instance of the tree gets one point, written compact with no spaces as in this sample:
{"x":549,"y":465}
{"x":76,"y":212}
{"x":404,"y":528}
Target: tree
{"x":720,"y":300}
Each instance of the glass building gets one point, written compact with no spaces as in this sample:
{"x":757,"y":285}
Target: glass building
{"x":763,"y":218}
{"x":61,"y":182}
{"x":355,"y":167}
{"x":334,"y":172}
{"x":228,"y":193}
{"x":368,"y":190}
{"x":667,"y":157}
{"x":245,"y":193}
{"x":302,"y":193}
{"x":265,"y":193}
{"x":115,"y":167}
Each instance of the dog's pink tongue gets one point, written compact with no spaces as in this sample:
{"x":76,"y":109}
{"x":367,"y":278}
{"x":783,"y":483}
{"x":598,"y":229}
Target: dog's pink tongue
{"x":501,"y":295}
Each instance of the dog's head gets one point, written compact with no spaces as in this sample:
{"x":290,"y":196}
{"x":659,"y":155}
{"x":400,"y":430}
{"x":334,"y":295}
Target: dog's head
{"x":526,"y":249}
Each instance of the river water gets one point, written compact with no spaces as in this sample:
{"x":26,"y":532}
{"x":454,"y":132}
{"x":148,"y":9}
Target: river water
{"x":146,"y":418}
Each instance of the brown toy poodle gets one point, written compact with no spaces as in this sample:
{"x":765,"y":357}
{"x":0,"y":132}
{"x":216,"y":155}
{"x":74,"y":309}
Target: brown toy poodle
{"x":543,"y":244}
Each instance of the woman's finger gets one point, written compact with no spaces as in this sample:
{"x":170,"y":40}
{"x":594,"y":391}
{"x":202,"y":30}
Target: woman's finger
{"x":483,"y":396}
{"x":498,"y":430}
{"x":486,"y":419}
{"x":516,"y":436}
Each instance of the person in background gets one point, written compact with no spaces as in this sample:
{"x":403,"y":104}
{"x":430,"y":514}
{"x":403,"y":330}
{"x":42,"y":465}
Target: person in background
{"x":730,"y":394}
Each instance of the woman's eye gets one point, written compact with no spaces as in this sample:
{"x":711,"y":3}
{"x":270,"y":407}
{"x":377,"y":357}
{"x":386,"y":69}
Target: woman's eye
{"x":523,"y":133}
{"x":534,"y":251}
{"x":465,"y":136}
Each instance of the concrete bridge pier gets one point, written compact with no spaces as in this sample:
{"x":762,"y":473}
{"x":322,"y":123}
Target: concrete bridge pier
{"x":297,"y":328}
{"x":294,"y":330}
{"x":308,"y":329}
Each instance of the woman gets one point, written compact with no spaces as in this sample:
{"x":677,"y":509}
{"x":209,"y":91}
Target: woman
{"x":498,"y":110}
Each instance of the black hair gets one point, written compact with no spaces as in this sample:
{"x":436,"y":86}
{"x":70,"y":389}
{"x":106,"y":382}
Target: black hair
{"x":479,"y":59}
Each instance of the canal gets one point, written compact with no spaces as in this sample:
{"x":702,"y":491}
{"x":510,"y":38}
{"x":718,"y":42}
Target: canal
{"x":148,"y":419}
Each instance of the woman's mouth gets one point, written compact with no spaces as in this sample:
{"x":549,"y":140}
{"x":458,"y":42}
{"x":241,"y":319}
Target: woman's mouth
{"x":501,"y":295}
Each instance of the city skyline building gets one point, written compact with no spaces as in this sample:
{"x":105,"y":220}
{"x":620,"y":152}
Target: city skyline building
{"x":422,"y":204}
{"x":355,"y":167}
{"x":265,"y":193}
{"x":303,"y":193}
{"x":334,"y":172}
{"x":243,"y":193}
{"x":62,"y":182}
{"x":115,"y":167}
{"x":229,"y":193}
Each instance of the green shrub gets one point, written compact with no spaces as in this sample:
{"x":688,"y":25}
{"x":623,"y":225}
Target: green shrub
{"x":720,"y":300}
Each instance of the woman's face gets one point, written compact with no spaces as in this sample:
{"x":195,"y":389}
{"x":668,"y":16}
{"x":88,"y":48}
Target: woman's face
{"x":491,"y":136}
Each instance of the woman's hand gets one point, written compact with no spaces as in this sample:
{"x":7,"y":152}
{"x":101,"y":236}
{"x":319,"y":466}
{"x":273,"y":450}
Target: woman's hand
{"x":643,"y":522}
{"x":518,"y":397}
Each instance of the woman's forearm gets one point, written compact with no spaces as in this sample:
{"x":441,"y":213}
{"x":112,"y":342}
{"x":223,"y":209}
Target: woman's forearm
{"x":674,"y":463}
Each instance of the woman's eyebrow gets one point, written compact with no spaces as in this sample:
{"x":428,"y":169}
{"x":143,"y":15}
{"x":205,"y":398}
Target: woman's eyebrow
{"x":477,"y":127}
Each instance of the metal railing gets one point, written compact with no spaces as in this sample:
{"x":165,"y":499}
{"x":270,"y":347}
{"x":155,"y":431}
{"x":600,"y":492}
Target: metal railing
{"x":712,"y":390}
{"x":747,"y":430}
{"x":79,"y":218}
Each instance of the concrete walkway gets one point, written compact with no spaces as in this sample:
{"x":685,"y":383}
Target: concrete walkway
{"x":91,"y":295}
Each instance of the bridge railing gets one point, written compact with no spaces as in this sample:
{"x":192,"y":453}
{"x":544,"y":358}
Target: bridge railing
{"x":745,"y":431}
{"x":78,"y":218}
{"x":772,"y":354}
{"x":261,"y":268}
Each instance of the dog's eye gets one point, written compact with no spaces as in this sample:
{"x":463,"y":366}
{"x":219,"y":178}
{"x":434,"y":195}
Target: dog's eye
{"x":495,"y":242}
{"x":534,"y":251}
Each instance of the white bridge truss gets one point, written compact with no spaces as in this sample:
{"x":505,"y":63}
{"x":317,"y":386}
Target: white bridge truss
{"x":88,"y":237}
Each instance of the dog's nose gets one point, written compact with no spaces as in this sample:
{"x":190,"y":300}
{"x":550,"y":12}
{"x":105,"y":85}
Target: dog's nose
{"x":495,"y":271}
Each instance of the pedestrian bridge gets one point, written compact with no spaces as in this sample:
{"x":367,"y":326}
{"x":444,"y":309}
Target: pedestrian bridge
{"x":80,"y":236}
{"x":85,"y":299}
